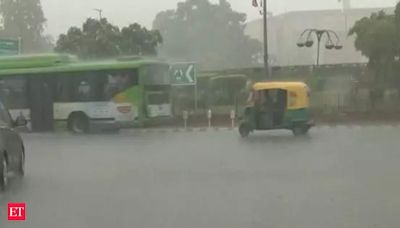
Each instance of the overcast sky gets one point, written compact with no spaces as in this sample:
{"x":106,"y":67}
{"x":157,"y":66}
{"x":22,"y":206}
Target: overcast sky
{"x":61,"y":14}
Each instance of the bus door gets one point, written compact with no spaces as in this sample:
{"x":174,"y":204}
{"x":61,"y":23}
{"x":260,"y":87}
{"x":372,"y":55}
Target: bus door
{"x":41,"y":103}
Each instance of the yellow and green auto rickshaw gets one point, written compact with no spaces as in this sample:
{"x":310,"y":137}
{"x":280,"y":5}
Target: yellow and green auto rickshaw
{"x":277,"y":105}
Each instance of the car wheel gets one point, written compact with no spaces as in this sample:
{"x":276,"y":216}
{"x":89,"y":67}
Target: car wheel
{"x":78,"y":124}
{"x":3,"y":173}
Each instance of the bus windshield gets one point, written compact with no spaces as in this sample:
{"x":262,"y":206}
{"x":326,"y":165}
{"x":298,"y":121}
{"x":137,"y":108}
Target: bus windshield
{"x":158,"y":98}
{"x":156,"y":75}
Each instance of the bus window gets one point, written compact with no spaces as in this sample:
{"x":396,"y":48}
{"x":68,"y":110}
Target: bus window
{"x":85,"y":87}
{"x":63,"y":89}
{"x":84,"y":91}
{"x":118,"y":82}
{"x":93,"y":86}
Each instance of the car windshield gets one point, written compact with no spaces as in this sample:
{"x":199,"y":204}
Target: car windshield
{"x":199,"y":113}
{"x":4,"y":116}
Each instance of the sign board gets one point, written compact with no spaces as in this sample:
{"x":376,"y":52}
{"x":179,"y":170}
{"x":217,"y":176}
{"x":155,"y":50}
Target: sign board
{"x":9,"y":47}
{"x":183,"y":74}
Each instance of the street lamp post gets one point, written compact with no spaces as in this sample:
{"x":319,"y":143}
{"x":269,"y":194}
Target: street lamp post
{"x":305,"y":40}
{"x":264,"y":12}
{"x":265,"y":27}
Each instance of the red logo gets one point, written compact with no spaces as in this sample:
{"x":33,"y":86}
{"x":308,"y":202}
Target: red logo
{"x":16,"y":211}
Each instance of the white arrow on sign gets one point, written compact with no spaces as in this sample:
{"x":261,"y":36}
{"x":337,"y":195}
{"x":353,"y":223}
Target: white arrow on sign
{"x":188,"y":76}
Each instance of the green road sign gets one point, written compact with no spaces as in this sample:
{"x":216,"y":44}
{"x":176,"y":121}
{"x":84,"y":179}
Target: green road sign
{"x":183,"y":74}
{"x":9,"y":47}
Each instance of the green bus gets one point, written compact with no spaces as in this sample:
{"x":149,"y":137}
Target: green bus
{"x":59,"y":91}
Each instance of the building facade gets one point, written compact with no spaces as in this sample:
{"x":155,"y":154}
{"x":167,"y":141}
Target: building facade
{"x":284,"y":31}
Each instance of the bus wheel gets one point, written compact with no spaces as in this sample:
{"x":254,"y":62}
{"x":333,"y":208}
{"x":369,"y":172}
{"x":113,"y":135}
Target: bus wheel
{"x":78,"y":123}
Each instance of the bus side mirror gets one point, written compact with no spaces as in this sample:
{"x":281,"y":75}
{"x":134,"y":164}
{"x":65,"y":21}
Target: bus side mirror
{"x":20,"y":121}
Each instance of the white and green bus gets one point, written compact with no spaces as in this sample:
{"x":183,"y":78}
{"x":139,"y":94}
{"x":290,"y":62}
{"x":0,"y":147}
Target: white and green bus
{"x":58,"y":91}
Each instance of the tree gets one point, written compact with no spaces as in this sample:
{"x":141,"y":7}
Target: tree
{"x":377,"y":37}
{"x":24,"y":19}
{"x":140,"y":41}
{"x":210,"y":34}
{"x":71,"y":42}
{"x":96,"y":39}
{"x":101,"y":39}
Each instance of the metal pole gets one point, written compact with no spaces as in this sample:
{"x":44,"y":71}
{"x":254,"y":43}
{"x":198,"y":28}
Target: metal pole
{"x":195,"y":99}
{"x":185,"y":118}
{"x":318,"y":50}
{"x":319,"y":38}
{"x":233,"y":117}
{"x":196,"y":93}
{"x":265,"y":27}
{"x":209,"y":116}
{"x":100,"y":11}
{"x":19,"y":45}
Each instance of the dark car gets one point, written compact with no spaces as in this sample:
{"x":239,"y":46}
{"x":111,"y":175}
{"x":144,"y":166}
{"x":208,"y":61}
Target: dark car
{"x":12,"y":152}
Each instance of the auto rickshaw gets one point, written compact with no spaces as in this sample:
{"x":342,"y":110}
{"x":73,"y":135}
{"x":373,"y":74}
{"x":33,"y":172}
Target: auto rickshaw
{"x":277,"y":105}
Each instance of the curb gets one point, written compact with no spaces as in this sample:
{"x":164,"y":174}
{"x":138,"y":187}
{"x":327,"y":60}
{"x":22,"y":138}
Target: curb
{"x":181,"y":130}
{"x":224,"y":129}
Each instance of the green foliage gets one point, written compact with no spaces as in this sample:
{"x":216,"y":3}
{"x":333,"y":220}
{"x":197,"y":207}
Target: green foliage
{"x":377,"y":37}
{"x":24,"y":19}
{"x":139,"y":40}
{"x":210,"y":34}
{"x":101,"y":39}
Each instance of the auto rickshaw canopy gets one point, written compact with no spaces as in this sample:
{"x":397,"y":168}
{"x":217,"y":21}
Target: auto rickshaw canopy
{"x":298,"y":92}
{"x":280,"y":85}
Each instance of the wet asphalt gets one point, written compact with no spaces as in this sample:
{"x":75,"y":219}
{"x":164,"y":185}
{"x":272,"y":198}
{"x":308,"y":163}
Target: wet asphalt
{"x":336,"y":177}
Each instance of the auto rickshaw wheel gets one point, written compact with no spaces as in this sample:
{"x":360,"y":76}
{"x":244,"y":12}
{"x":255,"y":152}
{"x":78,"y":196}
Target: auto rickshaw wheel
{"x":300,"y":130}
{"x":244,"y":130}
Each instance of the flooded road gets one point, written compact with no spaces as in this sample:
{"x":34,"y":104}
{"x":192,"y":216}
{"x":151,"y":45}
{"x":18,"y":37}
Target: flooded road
{"x":337,"y":177}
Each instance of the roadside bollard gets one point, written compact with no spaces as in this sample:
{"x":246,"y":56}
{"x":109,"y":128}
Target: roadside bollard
{"x":185,"y":118}
{"x":233,"y":117}
{"x":209,"y":116}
